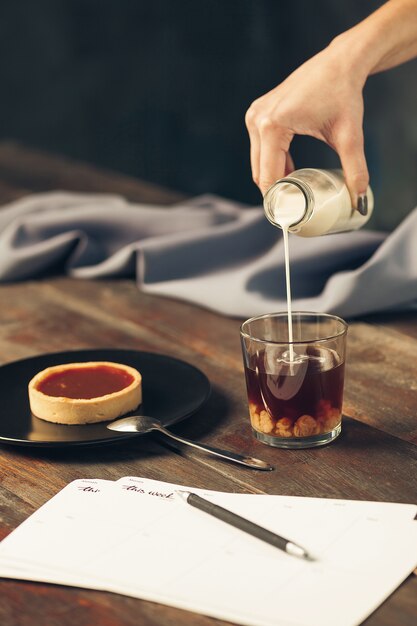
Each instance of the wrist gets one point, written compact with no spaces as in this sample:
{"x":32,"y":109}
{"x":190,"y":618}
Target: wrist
{"x":383,"y":40}
{"x":356,"y":55}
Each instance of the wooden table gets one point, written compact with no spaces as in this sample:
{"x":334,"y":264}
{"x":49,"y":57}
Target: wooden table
{"x":374,"y":458}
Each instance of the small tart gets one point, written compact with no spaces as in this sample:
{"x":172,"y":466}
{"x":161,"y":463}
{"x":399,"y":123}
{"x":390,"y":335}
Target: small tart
{"x":84,"y":393}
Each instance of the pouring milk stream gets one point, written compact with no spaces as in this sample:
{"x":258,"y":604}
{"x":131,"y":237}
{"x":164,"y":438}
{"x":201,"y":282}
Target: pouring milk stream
{"x":309,"y":203}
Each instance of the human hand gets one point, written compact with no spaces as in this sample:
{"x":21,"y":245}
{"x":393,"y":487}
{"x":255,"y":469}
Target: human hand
{"x":322,"y":99}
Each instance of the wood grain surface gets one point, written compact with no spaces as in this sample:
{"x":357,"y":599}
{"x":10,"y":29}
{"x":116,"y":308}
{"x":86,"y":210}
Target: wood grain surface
{"x":374,"y":458}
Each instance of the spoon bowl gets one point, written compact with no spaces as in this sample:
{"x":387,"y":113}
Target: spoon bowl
{"x":135,"y":424}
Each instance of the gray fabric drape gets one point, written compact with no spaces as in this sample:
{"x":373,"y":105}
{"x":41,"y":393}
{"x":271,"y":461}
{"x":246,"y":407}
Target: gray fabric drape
{"x":209,"y":251}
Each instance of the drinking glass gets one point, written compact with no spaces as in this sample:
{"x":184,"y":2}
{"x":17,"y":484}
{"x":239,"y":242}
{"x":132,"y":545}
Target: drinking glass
{"x":295,"y":391}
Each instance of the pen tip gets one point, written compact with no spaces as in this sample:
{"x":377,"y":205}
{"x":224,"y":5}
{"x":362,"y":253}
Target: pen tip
{"x":295,"y":550}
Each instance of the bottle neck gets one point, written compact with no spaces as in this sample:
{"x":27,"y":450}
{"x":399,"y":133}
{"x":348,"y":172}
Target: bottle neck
{"x":289,"y":203}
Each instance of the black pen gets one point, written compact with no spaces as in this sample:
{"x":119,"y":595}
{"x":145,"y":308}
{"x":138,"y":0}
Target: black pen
{"x":244,"y":524}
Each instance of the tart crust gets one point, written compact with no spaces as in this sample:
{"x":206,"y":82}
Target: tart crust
{"x":63,"y":410}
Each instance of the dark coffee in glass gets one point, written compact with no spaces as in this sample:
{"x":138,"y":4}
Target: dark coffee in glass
{"x":295,"y":397}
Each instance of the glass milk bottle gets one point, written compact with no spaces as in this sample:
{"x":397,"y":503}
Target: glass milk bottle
{"x":313,"y":202}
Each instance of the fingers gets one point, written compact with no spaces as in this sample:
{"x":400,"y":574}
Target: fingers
{"x":255,"y":149}
{"x":269,"y":155}
{"x":255,"y":153}
{"x":289,"y":164}
{"x":270,"y":142}
{"x":273,"y":157}
{"x":352,"y":156}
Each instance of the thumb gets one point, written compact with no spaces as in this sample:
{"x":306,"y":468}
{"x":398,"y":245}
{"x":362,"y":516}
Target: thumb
{"x":352,"y":157}
{"x":289,"y":164}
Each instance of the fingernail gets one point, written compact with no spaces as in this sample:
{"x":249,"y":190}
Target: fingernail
{"x":363,"y":204}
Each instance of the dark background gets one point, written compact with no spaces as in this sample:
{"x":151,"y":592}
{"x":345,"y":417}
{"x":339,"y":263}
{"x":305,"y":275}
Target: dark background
{"x":159,"y":89}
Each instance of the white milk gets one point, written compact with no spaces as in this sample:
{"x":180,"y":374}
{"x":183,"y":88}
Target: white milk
{"x":290,"y":212}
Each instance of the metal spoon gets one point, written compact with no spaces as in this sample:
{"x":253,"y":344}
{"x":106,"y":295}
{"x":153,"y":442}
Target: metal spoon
{"x":144,"y":424}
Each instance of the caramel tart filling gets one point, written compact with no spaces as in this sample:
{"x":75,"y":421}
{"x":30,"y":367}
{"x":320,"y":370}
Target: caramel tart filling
{"x":85,"y":383}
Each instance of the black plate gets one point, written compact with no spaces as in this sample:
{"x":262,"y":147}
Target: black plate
{"x":172,"y":391}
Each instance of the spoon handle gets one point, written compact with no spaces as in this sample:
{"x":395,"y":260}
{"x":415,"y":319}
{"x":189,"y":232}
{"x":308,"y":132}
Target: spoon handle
{"x":248,"y":461}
